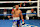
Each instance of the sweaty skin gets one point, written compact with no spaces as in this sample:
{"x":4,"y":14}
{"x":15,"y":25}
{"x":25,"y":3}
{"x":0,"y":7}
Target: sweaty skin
{"x":17,"y":13}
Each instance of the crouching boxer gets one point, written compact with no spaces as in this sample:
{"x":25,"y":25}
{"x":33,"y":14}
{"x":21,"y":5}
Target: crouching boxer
{"x":16,"y":13}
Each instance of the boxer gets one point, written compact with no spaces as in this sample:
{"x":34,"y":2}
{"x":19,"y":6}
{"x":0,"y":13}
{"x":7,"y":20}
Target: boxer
{"x":16,"y":13}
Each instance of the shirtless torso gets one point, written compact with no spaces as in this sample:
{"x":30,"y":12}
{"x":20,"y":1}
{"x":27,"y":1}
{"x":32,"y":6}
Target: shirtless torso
{"x":16,"y":13}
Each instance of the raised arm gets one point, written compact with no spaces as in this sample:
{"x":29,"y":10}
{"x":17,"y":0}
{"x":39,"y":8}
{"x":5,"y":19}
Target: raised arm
{"x":12,"y":11}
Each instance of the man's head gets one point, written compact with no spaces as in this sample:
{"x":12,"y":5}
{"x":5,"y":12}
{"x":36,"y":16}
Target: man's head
{"x":32,"y":10}
{"x":16,"y":6}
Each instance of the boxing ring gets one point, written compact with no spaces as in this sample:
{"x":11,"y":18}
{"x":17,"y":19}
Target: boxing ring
{"x":22,"y":14}
{"x":8,"y":23}
{"x":28,"y":23}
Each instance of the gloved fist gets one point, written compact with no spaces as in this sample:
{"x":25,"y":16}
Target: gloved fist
{"x":23,"y":22}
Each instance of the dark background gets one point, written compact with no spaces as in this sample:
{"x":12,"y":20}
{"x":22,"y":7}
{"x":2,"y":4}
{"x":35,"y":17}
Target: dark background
{"x":18,"y":0}
{"x":9,"y":12}
{"x":13,"y":4}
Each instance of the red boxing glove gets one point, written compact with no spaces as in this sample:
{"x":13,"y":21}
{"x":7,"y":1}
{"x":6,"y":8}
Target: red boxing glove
{"x":12,"y":9}
{"x":22,"y":20}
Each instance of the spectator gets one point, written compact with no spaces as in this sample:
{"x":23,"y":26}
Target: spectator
{"x":30,"y":15}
